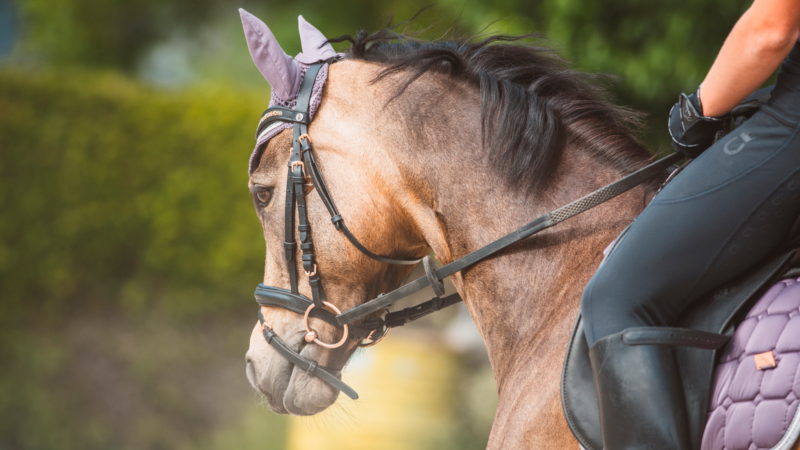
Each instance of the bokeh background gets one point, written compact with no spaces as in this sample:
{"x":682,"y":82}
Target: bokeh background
{"x":128,"y":248}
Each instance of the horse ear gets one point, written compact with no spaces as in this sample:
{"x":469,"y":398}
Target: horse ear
{"x":280,"y":70}
{"x":315,"y":45}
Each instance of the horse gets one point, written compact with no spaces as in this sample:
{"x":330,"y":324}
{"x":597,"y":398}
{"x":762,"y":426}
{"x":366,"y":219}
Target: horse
{"x":440,"y":148}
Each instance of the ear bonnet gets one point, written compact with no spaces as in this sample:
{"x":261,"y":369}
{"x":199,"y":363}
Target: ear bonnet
{"x":284,"y":73}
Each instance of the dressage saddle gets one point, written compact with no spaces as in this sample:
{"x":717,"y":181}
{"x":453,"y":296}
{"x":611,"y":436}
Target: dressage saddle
{"x":717,"y":315}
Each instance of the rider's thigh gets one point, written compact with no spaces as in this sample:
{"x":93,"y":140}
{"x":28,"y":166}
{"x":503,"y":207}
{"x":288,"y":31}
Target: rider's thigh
{"x":727,"y":210}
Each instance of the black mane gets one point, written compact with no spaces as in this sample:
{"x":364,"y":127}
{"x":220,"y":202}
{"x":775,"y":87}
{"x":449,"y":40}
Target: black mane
{"x":532,"y":104}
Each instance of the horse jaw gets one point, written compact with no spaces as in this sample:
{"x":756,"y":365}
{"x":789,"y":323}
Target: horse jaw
{"x":287,"y":389}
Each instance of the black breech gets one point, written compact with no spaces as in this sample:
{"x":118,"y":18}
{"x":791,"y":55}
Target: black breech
{"x":726,"y":211}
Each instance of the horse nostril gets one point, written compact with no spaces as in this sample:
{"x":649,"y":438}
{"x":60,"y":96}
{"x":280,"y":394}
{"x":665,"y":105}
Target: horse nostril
{"x":250,"y":372}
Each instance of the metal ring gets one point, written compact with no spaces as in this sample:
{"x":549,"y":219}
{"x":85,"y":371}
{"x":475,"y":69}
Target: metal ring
{"x":311,"y":335}
{"x":302,"y":137}
{"x":312,"y":273}
{"x":373,"y":342}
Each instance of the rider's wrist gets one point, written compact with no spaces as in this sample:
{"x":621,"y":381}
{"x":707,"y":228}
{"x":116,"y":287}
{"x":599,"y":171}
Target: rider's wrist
{"x":694,"y":98}
{"x":697,"y":102}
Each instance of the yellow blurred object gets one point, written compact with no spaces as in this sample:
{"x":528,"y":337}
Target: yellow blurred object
{"x":406,"y":391}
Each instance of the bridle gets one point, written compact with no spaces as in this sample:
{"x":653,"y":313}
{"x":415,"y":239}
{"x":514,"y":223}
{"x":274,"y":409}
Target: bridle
{"x":304,"y":175}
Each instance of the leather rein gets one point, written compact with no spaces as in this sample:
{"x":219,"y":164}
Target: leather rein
{"x":304,"y":174}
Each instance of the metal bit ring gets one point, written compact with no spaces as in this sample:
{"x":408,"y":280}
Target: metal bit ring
{"x":312,"y":335}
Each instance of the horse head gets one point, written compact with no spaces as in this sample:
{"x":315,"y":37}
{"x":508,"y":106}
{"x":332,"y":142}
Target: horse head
{"x":429,"y":147}
{"x":353,"y":154}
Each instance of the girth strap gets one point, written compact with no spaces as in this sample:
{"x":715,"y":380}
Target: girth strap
{"x":311,"y":367}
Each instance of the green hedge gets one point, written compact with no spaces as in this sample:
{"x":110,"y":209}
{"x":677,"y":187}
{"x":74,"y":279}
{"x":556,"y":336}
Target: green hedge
{"x":115,"y":192}
{"x":128,"y":254}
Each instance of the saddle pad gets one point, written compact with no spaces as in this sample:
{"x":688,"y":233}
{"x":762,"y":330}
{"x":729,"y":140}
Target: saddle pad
{"x":756,"y":387}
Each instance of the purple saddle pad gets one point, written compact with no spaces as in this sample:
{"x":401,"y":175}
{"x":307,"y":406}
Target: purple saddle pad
{"x":756,"y":387}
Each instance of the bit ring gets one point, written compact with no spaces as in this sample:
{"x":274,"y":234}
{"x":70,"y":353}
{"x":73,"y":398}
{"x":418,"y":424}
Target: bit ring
{"x":312,"y":335}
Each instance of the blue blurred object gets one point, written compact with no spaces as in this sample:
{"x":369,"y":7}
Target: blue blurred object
{"x":8,"y":27}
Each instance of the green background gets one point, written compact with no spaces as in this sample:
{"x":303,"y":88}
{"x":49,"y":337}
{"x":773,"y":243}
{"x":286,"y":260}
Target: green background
{"x":128,"y":247}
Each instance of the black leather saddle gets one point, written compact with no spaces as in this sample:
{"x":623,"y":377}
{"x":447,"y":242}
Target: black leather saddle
{"x":717,"y":314}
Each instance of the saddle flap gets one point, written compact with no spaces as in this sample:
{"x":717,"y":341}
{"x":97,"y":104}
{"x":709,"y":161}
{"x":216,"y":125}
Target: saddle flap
{"x":578,"y":396}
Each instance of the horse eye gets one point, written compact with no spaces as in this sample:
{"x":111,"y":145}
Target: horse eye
{"x":262,"y":195}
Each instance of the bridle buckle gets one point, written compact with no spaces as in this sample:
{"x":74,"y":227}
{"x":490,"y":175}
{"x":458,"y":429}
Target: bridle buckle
{"x":308,"y":186}
{"x":300,"y":164}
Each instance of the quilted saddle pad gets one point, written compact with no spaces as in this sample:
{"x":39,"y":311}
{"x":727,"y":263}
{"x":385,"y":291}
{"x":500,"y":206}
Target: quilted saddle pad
{"x":756,"y":389}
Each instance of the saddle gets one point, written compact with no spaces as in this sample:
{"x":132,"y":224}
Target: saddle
{"x":718,"y":313}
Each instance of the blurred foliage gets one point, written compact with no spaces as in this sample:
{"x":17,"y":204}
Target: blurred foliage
{"x":127,"y":242}
{"x":106,"y":381}
{"x":105,"y":32}
{"x":653,"y":50}
{"x":656,"y":49}
{"x":116,"y":190}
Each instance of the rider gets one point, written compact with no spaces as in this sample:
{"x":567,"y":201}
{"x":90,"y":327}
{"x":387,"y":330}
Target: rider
{"x":727,"y":210}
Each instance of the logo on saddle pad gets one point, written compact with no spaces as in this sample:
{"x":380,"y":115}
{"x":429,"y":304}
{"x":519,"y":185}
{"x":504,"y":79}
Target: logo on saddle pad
{"x":765,"y":360}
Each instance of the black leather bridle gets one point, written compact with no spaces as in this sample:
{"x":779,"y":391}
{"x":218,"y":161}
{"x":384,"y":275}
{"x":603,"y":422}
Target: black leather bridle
{"x":303,"y":174}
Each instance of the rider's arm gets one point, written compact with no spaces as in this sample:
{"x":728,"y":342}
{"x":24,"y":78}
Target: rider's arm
{"x":755,"y":47}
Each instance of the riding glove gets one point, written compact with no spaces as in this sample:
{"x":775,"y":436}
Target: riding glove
{"x":690,"y":130}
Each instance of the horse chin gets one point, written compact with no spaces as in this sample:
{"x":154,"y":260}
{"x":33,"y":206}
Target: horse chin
{"x":287,"y":389}
{"x":307,"y":395}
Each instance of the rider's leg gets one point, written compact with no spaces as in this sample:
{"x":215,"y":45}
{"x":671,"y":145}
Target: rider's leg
{"x":682,"y":246}
{"x":640,"y":396}
{"x":724,"y":213}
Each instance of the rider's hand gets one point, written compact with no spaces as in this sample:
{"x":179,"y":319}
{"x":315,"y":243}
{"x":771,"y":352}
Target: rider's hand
{"x":690,"y":130}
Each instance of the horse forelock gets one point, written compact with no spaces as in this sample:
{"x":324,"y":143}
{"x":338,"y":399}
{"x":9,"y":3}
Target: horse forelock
{"x":532,"y":104}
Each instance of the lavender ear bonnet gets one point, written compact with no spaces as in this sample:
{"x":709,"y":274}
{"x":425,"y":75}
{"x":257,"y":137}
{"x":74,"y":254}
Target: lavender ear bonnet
{"x":284,"y":73}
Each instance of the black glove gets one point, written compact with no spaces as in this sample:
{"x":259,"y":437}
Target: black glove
{"x":690,"y":130}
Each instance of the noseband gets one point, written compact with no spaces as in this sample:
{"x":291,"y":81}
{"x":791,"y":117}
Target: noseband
{"x":304,"y":175}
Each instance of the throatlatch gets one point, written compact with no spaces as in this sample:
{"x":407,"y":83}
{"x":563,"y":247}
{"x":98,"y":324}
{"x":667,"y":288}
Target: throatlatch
{"x":304,"y":177}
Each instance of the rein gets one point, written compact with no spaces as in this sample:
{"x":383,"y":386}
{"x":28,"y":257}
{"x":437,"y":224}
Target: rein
{"x":304,"y":174}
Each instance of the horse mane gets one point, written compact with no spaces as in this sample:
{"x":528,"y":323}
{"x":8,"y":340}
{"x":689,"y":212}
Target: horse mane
{"x":532,"y":103}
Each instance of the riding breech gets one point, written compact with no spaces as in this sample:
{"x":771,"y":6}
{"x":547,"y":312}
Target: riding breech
{"x":725,"y":212}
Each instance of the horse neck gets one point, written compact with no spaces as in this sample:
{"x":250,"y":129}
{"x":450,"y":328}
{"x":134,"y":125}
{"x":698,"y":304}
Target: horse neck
{"x":525,"y":299}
